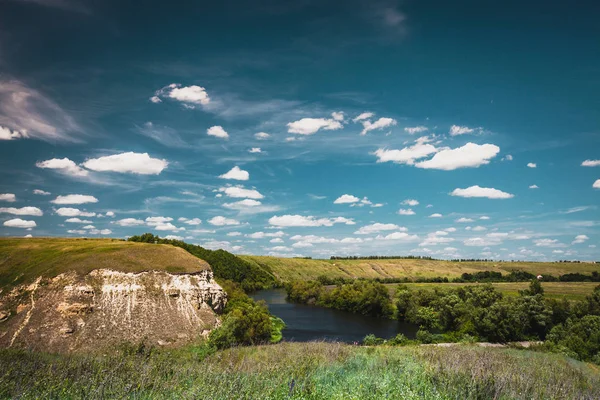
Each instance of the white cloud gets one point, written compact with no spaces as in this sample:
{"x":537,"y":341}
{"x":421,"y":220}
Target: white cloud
{"x":407,"y":155}
{"x":234,"y":234}
{"x":75,"y":199}
{"x":590,"y":163}
{"x":301,"y":245}
{"x":415,"y":129}
{"x":7,"y":134}
{"x":262,"y":135}
{"x":242,"y":204}
{"x":436,"y":215}
{"x":338,"y":115}
{"x":451,"y":229}
{"x":534,"y":187}
{"x":436,"y":238}
{"x":193,"y":221}
{"x":532,"y":165}
{"x":484,"y":217}
{"x":129,"y":222}
{"x":302,"y":221}
{"x":403,"y":236}
{"x":507,"y":157}
{"x":351,"y":240}
{"x":464,"y":220}
{"x":64,"y":166}
{"x":313,"y":239}
{"x":167,"y":226}
{"x":241,"y":192}
{"x":154,"y":221}
{"x":480,"y":242}
{"x":188,"y":94}
{"x":130,"y":162}
{"x":596,"y":184}
{"x":346,"y":199}
{"x":479,"y":228}
{"x":548,"y":243}
{"x":222,"y":221}
{"x":580,"y":239}
{"x":89,"y":227}
{"x":262,"y":235}
{"x":381,"y":123}
{"x":217,"y":131}
{"x":310,"y":126}
{"x":456,"y":130}
{"x":470,"y":155}
{"x":410,"y":202}
{"x":20,"y":223}
{"x":74,"y":212}
{"x":236,"y":173}
{"x":362,"y":116}
{"x":407,"y":211}
{"x":174,"y":237}
{"x":155,"y":99}
{"x":255,"y":150}
{"x":76,"y":220}
{"x":41,"y":192}
{"x":477,"y":191}
{"x":378,"y":227}
{"x":110,"y":214}
{"x":10,"y":197}
{"x":22,"y":211}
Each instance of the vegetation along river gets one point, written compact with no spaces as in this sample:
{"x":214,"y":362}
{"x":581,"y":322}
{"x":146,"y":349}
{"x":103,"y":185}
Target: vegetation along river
{"x":307,"y":322}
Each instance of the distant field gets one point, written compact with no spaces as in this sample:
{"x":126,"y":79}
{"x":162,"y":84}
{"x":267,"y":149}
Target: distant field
{"x":557,"y":290}
{"x":293,"y":268}
{"x":22,"y":260}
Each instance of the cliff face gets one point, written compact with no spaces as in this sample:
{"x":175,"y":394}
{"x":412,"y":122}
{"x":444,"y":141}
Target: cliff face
{"x":105,"y":308}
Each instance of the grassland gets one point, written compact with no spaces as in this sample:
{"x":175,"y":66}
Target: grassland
{"x":23,"y":260}
{"x":287,"y":269}
{"x":301,"y":371}
{"x":556,"y":290}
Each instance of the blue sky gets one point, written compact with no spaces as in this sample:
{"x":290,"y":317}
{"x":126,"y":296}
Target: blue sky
{"x":315,"y":128}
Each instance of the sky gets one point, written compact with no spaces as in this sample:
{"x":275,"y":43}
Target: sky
{"x":464,"y":129}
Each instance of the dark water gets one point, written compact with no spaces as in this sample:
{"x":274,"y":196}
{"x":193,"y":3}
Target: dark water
{"x":305,"y":323}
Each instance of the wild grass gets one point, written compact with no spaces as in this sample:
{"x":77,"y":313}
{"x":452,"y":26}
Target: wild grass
{"x":287,"y":269}
{"x":300,"y":371}
{"x":556,"y":290}
{"x":23,"y":260}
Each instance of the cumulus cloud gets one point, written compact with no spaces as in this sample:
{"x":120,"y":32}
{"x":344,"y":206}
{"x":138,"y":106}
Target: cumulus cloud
{"x":262,"y":135}
{"x":76,"y":220}
{"x":262,"y":235}
{"x":74,"y":212}
{"x":580,"y":239}
{"x":129,"y":222}
{"x":130,"y":162}
{"x":338,"y":115}
{"x":75,"y":199}
{"x":41,"y":192}
{"x":436,"y":238}
{"x":241,"y":192}
{"x":236,"y":173}
{"x":346,"y":199}
{"x":482,"y":241}
{"x":217,"y":131}
{"x":456,"y":130}
{"x":406,"y":211}
{"x":19,"y":223}
{"x":310,"y":126}
{"x":110,"y":214}
{"x":154,"y":221}
{"x":400,"y":236}
{"x":193,"y":221}
{"x":242,"y":204}
{"x":255,"y":150}
{"x":10,"y":197}
{"x":407,"y":155}
{"x":477,"y":191}
{"x":222,"y":221}
{"x":362,"y":116}
{"x":436,"y":215}
{"x":190,"y":94}
{"x":590,"y":163}
{"x":470,"y":155}
{"x":464,"y":220}
{"x":378,"y":227}
{"x":415,"y":129}
{"x":507,"y":157}
{"x":7,"y":134}
{"x":532,"y":165}
{"x":167,"y":226}
{"x":302,"y":221}
{"x":596,"y":184}
{"x":22,"y":211}
{"x":548,"y":243}
{"x":381,"y":123}
{"x":534,"y":187}
{"x":484,"y":217}
{"x":63,"y":165}
{"x":410,"y":202}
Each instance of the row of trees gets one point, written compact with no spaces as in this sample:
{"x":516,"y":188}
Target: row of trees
{"x":409,"y":257}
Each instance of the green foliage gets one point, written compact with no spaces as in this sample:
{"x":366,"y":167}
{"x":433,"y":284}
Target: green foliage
{"x":372,"y":340}
{"x":579,"y":336}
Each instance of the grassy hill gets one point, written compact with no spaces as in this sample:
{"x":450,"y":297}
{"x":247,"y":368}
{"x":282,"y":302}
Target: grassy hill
{"x":287,"y":269}
{"x":23,"y":260}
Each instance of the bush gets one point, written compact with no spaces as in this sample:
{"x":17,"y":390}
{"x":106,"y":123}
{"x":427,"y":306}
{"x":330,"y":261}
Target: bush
{"x":372,"y":340}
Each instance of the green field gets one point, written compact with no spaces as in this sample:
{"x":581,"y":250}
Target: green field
{"x":287,"y":269}
{"x":23,"y":260}
{"x":557,"y":290}
{"x":301,"y":371}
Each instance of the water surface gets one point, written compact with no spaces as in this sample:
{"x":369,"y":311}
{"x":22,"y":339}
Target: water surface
{"x":305,"y":322}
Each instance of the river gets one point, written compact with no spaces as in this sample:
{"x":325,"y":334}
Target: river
{"x":306,"y":322}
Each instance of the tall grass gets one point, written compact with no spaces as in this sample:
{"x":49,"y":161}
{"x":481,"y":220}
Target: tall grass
{"x":300,"y":371}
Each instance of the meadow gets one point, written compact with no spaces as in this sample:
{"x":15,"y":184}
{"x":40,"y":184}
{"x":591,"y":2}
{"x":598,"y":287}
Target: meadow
{"x":300,"y":371}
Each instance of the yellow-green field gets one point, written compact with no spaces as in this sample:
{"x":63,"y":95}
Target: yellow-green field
{"x":22,"y":260}
{"x":287,"y":269}
{"x":557,"y":290}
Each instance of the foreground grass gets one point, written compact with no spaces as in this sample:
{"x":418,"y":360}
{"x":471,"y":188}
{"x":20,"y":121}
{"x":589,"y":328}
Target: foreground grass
{"x":556,"y":290}
{"x":301,"y":371}
{"x":287,"y":269}
{"x":23,"y":260}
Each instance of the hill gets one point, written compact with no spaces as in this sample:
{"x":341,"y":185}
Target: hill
{"x":287,"y":269}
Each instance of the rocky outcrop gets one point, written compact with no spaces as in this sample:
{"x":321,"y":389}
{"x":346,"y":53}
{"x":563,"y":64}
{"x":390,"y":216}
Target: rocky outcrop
{"x":105,"y":308}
